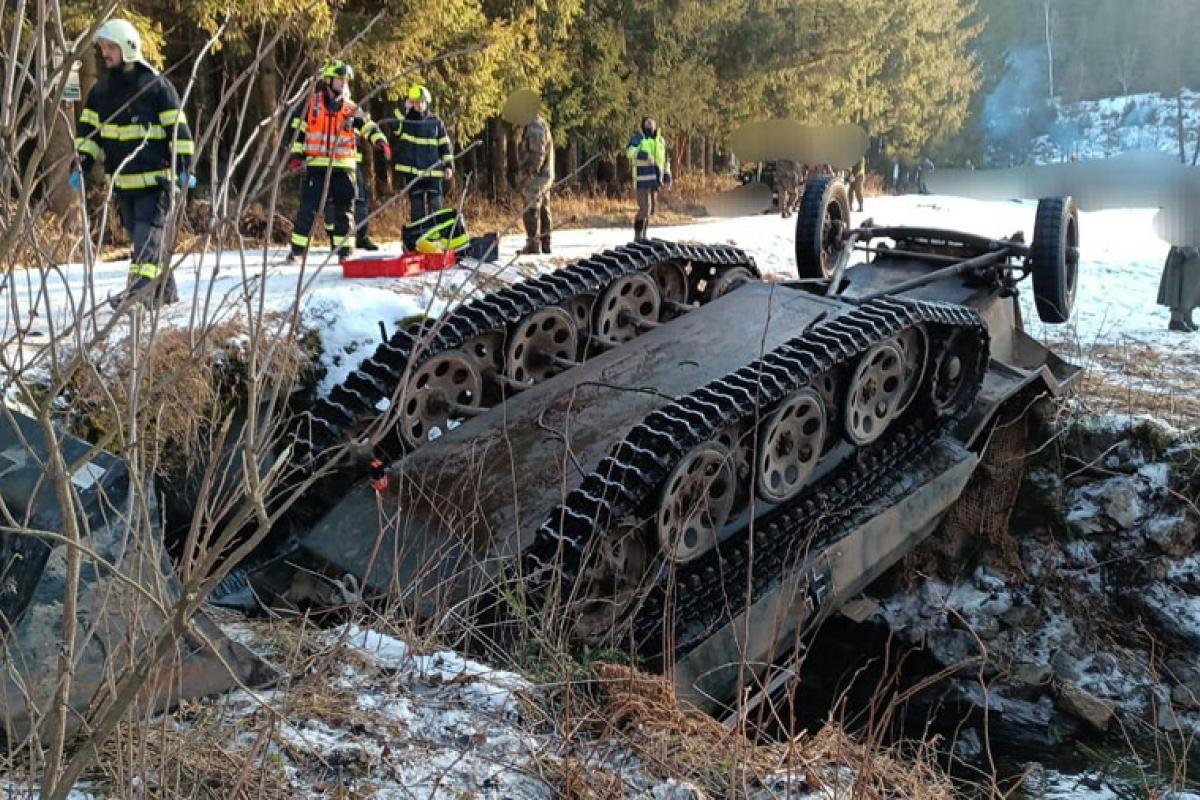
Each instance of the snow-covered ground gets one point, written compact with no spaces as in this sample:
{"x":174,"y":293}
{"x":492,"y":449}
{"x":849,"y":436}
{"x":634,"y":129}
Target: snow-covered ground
{"x":1119,"y":273}
{"x":1103,"y":128}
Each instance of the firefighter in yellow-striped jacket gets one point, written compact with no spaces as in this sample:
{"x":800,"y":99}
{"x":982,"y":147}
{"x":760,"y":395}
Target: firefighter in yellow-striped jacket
{"x":424,"y":159}
{"x":325,"y":147}
{"x":132,"y":117}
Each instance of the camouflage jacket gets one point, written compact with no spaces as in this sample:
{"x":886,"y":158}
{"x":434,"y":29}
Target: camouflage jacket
{"x":535,"y":156}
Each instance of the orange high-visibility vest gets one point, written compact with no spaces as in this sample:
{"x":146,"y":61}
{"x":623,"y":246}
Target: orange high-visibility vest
{"x":330,"y":138}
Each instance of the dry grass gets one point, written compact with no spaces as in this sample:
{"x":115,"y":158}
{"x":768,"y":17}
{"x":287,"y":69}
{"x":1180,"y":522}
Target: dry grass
{"x":188,"y":755}
{"x":188,"y":380}
{"x":642,"y":712}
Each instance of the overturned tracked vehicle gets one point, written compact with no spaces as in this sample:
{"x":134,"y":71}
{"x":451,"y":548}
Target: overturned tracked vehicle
{"x":652,"y":448}
{"x":658,"y":450}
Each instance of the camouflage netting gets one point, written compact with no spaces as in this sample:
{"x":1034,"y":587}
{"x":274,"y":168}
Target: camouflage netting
{"x":979,"y":520}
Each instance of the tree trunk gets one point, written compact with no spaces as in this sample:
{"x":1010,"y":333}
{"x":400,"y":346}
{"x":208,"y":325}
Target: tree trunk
{"x":511,"y":164}
{"x":497,"y":158}
{"x":1180,"y":133}
{"x":1049,"y":48}
{"x":708,"y":155}
{"x":572,"y":156}
{"x":60,"y":149}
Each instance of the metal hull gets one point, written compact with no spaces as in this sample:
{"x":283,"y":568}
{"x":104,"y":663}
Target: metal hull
{"x":114,"y":618}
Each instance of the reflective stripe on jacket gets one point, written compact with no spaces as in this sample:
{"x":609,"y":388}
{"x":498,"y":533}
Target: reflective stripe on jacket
{"x":648,"y":155}
{"x":423,"y":149}
{"x":133,"y":116}
{"x":327,"y":137}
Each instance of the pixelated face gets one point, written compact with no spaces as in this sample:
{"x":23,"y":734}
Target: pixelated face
{"x":338,"y":85}
{"x":111,"y":53}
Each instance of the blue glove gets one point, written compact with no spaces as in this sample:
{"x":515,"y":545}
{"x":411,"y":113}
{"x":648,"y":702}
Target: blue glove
{"x":76,"y":180}
{"x":186,"y":180}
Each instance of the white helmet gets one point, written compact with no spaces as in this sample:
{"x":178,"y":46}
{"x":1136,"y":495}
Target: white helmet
{"x":122,"y":33}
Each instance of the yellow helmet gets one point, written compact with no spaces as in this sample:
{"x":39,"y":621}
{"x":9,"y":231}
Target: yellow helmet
{"x":337,"y":69}
{"x":418,"y":93}
{"x":431,"y":246}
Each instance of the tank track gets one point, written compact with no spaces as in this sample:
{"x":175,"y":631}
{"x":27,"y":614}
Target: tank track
{"x":780,"y":541}
{"x":631,"y":475}
{"x":378,"y":379}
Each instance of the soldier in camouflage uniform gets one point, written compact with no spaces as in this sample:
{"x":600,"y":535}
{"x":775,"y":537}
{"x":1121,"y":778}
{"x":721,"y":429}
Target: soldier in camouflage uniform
{"x":787,"y":182}
{"x":536,"y":171}
{"x":857,"y":178}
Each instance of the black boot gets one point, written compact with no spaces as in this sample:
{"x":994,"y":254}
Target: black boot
{"x":639,"y":229}
{"x":544,"y":217}
{"x":530,"y":219}
{"x":132,"y":290}
{"x":365,"y":243}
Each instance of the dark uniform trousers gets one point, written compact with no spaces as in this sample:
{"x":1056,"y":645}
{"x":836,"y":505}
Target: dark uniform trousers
{"x":423,"y":201}
{"x":143,"y":214}
{"x":361,"y":209}
{"x":340,"y":196}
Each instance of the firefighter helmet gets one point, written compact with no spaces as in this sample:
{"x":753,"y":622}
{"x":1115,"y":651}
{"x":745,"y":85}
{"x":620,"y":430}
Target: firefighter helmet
{"x":337,"y":69}
{"x":419,"y":94}
{"x":122,"y":33}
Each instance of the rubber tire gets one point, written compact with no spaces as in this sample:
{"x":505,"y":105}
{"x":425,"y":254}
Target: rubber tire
{"x":1055,"y":273}
{"x":823,"y":194}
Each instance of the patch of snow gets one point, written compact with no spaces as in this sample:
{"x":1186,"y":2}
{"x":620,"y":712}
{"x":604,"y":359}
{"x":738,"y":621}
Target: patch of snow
{"x":1158,"y":475}
{"x":1048,"y":784}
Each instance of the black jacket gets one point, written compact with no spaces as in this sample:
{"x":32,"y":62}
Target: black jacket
{"x":423,"y":150}
{"x":133,"y":113}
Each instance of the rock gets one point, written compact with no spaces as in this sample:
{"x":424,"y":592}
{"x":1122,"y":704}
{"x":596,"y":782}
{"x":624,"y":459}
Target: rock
{"x":1118,"y":497}
{"x":1021,"y":616}
{"x":1174,"y":612}
{"x":1097,"y":713}
{"x":1167,"y":719}
{"x":1039,"y":503}
{"x":953,"y":647}
{"x":1104,"y":663}
{"x":1027,"y":680}
{"x":985,"y":626}
{"x":990,"y":580}
{"x":968,"y":746}
{"x":674,"y":790}
{"x":1185,"y":697}
{"x":1016,"y":726}
{"x":1185,"y":673}
{"x":1174,"y":535}
{"x":1066,"y":666}
{"x":1154,"y":436}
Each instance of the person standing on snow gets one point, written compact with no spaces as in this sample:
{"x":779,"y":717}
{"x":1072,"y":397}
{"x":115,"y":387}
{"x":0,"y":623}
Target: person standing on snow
{"x":133,"y":117}
{"x":858,"y":177}
{"x":536,"y":171}
{"x":424,"y":157}
{"x":787,"y":183}
{"x":1179,"y":288}
{"x":326,"y":129}
{"x":647,"y":153}
{"x":372,"y":133}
